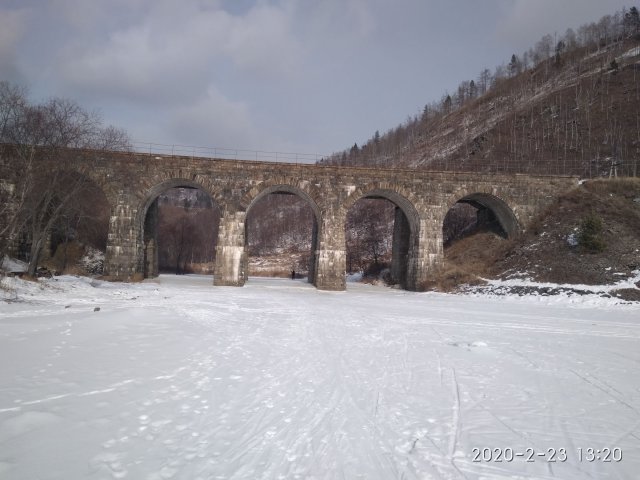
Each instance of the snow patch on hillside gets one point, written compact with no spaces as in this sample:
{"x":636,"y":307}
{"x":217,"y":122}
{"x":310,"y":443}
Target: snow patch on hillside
{"x":634,"y":52}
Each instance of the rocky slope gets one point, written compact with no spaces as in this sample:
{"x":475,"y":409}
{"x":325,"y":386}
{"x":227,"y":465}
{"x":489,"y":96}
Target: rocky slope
{"x":554,"y":249}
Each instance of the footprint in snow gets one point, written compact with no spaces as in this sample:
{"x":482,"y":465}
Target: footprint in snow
{"x":111,"y":462}
{"x":468,"y":345}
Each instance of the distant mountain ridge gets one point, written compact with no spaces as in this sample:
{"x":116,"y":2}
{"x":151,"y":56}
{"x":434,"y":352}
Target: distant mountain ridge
{"x":569,"y":105}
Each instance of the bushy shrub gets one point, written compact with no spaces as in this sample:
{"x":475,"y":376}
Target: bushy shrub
{"x":449,"y":279}
{"x":589,"y":237}
{"x":93,"y":261}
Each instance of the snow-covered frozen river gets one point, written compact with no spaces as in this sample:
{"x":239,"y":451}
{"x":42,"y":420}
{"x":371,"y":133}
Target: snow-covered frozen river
{"x":176,"y":379}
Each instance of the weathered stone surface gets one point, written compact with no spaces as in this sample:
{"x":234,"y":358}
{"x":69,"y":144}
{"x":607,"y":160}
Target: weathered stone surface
{"x":231,"y":259}
{"x":132,"y":182}
{"x":401,"y":247}
{"x":151,"y":264}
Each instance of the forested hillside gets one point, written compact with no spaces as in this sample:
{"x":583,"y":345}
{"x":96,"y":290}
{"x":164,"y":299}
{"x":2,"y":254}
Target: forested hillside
{"x":570,"y":104}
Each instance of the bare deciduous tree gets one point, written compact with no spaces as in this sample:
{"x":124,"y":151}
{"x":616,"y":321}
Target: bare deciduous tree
{"x":36,"y":200}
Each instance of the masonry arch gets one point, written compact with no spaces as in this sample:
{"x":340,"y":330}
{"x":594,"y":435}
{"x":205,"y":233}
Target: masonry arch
{"x":491,"y":212}
{"x":50,"y":168}
{"x":298,"y":251}
{"x":308,"y":193}
{"x":177,"y":223}
{"x":404,"y":233}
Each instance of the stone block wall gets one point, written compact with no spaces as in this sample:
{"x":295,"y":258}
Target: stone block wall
{"x":131,"y":182}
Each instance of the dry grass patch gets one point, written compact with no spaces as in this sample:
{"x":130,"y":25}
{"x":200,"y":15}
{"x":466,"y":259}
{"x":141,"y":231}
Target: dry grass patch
{"x":451,"y":279}
{"x":477,"y":253}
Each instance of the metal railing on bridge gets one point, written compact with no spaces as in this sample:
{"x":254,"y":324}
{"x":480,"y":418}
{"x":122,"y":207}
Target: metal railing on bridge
{"x":585,"y":168}
{"x":225,"y":153}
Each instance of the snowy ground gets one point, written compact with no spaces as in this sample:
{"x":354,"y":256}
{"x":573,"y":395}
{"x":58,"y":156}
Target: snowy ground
{"x":177,"y":379}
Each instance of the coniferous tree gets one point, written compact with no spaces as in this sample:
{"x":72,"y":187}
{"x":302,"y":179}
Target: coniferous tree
{"x":560,"y":47}
{"x":473,"y":90}
{"x":514,"y":66}
{"x":425,"y":113}
{"x":447,"y":103}
{"x":632,"y":21}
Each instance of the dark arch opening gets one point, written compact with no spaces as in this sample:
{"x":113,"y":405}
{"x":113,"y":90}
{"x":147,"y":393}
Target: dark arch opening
{"x":473,"y":233}
{"x":380,"y":231}
{"x":180,"y":230}
{"x":479,"y":212}
{"x":281,"y":234}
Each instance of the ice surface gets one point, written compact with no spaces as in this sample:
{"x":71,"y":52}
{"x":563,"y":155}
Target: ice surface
{"x":174,"y":378}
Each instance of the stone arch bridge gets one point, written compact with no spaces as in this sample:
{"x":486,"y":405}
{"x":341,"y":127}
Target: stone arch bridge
{"x":132,"y":183}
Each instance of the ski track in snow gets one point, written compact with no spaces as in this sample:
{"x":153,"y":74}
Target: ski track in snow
{"x":175,"y":379}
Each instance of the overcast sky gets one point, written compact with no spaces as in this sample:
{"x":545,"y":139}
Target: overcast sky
{"x":310,"y":76}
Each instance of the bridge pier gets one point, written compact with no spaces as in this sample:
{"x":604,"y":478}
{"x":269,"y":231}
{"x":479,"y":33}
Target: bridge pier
{"x":231,"y":258}
{"x":124,"y":256}
{"x":331,"y":256}
{"x":400,"y":248}
{"x":426,"y":254}
{"x":330,"y":270}
{"x":314,"y":254}
{"x":151,"y":264}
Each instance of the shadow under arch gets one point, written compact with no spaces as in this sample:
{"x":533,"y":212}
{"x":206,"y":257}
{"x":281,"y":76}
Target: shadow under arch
{"x":308,"y":195}
{"x":146,"y":223}
{"x":491,"y":209}
{"x":406,"y":230}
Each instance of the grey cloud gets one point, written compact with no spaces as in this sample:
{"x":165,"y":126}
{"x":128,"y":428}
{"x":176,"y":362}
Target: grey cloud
{"x":172,"y":54}
{"x":212,"y":118}
{"x":526,"y":22}
{"x":13,"y":27}
{"x":267,"y":74}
